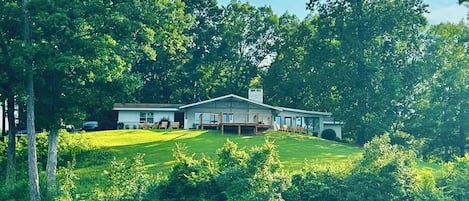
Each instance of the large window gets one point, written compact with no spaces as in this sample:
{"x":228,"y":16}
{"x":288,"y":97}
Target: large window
{"x":288,"y":121}
{"x":146,"y":117}
{"x":206,"y":118}
{"x":228,"y":117}
{"x":312,"y":123}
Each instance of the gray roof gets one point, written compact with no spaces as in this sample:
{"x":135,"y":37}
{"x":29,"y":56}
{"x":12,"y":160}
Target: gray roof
{"x":177,"y":107}
{"x":230,"y":96}
{"x":305,"y":111}
{"x":147,"y":106}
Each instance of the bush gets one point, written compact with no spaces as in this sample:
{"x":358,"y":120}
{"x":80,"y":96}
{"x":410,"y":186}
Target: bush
{"x":18,"y":191}
{"x":328,"y":134}
{"x":124,"y":180}
{"x":189,"y":179}
{"x":455,"y":182}
{"x":384,"y":173}
{"x":315,"y":185}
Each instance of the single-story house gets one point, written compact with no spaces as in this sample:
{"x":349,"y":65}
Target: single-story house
{"x":229,"y":111}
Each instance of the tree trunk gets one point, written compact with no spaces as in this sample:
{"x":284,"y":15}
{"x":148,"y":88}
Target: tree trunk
{"x":32,"y":155}
{"x":51,"y":167}
{"x":4,"y":111}
{"x":462,"y":134}
{"x":11,"y":151}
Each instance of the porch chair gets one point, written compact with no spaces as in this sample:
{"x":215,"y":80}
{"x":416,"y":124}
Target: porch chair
{"x":284,"y":128}
{"x":175,"y":125}
{"x":164,"y":125}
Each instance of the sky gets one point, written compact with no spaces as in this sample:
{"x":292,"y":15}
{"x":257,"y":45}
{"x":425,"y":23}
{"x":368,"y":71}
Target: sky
{"x":440,"y":10}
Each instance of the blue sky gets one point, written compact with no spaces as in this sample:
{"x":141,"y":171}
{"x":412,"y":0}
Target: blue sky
{"x":440,"y":10}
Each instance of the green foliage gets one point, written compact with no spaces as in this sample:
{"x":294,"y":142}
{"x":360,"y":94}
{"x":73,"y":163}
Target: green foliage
{"x":189,"y":179}
{"x":328,"y":134}
{"x":316,"y":184}
{"x":124,"y":180}
{"x":383,"y":168}
{"x":67,"y":179}
{"x":258,"y":178}
{"x":455,"y":180}
{"x":16,"y":192}
{"x":229,"y":156}
{"x":237,"y":175}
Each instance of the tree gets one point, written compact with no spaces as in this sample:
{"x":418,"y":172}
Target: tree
{"x":27,"y":63}
{"x":85,"y":54}
{"x":247,"y":37}
{"x":442,"y":108}
{"x":384,"y":173}
{"x":10,"y":85}
{"x":372,"y":58}
{"x":202,"y":51}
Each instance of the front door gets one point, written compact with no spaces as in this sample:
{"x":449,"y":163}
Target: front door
{"x":179,"y":117}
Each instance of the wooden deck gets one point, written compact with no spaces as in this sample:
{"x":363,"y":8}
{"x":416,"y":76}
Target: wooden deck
{"x":219,"y":124}
{"x":240,"y":126}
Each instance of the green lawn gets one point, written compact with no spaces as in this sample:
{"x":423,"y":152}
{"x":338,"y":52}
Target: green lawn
{"x":296,"y":151}
{"x":158,"y":145}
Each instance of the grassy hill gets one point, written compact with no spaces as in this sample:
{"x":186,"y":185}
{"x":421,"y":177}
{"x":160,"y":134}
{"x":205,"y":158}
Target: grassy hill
{"x":158,"y":145}
{"x":296,"y":151}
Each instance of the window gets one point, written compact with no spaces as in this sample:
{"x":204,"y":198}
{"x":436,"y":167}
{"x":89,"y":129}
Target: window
{"x":312,"y":123}
{"x":288,"y":121}
{"x":278,"y":120}
{"x":146,"y":117}
{"x":299,"y":121}
{"x":228,"y":117}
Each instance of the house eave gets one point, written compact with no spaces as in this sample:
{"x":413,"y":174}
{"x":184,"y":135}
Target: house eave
{"x":148,"y":109}
{"x":306,"y":111}
{"x":229,"y":96}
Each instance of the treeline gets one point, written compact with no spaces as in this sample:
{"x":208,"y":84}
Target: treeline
{"x":376,"y":65}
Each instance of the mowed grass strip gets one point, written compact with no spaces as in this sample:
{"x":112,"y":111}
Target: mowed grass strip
{"x":158,"y":146}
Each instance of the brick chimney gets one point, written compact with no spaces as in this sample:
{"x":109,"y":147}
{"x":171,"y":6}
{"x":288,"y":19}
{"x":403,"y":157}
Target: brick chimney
{"x":256,"y":95}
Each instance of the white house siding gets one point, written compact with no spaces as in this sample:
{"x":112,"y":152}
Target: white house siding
{"x":242,"y":111}
{"x":132,"y":118}
{"x":336,"y":127}
{"x":295,"y":115}
{"x":129,"y":118}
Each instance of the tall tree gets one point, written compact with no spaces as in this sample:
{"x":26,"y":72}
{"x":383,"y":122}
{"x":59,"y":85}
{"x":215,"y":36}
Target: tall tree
{"x":248,"y":35}
{"x":285,"y":80}
{"x":85,"y":53}
{"x":10,"y":85}
{"x":204,"y":32}
{"x":374,"y":55}
{"x":162,"y":76}
{"x":442,"y":109}
{"x":34,"y":192}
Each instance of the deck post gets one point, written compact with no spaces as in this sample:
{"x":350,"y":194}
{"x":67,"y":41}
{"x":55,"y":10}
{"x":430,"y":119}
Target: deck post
{"x":201,"y":122}
{"x":220,"y":120}
{"x":239,"y":129}
{"x":256,"y":130}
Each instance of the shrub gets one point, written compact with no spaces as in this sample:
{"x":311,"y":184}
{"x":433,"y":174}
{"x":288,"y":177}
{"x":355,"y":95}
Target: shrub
{"x":18,"y":191}
{"x":315,"y":185}
{"x":328,"y":134}
{"x":189,"y":179}
{"x":455,"y":182}
{"x":124,"y":180}
{"x":384,"y":173}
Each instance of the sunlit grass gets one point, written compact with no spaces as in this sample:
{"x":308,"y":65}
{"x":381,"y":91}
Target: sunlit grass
{"x":158,"y":146}
{"x":296,"y":151}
